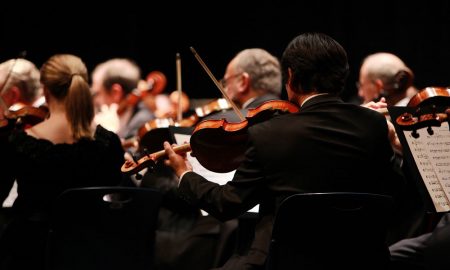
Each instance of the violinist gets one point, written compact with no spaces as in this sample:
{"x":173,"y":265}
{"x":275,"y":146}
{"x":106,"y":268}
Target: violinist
{"x":23,"y":87}
{"x":20,"y":87}
{"x":385,"y":75}
{"x":327,"y":146}
{"x":112,"y":82}
{"x":252,"y":77}
{"x":63,"y":151}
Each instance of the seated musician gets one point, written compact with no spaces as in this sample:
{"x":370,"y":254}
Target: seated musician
{"x":112,"y":82}
{"x":252,"y":77}
{"x":63,"y":151}
{"x":385,"y":78}
{"x":20,"y":87}
{"x":385,"y":75}
{"x":326,"y":146}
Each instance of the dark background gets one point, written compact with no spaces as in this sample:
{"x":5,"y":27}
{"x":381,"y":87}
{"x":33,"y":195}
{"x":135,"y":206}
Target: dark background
{"x":151,"y":33}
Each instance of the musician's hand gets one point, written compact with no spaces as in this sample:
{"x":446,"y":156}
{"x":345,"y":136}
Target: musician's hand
{"x":393,"y":138}
{"x":376,"y":105}
{"x":108,"y":117}
{"x":177,"y":162}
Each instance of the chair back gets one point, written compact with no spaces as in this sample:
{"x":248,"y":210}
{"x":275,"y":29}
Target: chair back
{"x":331,"y":230}
{"x":103,"y":228}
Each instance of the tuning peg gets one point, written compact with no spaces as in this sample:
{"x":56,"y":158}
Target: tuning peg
{"x":138,"y":176}
{"x":430,"y":130}
{"x":415,"y":134}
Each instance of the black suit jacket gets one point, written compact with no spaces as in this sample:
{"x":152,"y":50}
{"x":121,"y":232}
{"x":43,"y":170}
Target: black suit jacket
{"x":327,"y":146}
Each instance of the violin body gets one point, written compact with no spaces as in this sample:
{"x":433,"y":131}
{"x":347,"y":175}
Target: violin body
{"x":220,"y":145}
{"x":212,"y":107}
{"x":430,"y":95}
{"x":22,"y":118}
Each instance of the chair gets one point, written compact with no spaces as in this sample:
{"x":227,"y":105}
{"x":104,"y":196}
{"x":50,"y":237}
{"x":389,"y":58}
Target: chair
{"x":103,"y":228}
{"x":331,"y":231}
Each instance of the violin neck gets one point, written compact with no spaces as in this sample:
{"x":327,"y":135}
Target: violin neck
{"x":180,"y":149}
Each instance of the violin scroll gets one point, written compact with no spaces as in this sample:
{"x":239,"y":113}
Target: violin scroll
{"x":426,"y":103}
{"x":408,"y":121}
{"x":154,"y":84}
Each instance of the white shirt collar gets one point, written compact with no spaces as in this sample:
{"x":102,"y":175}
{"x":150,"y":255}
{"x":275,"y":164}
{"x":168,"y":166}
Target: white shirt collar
{"x":310,"y":97}
{"x":250,"y":100}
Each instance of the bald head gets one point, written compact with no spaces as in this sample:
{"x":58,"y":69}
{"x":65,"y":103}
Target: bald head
{"x":382,"y":65}
{"x":383,"y":74}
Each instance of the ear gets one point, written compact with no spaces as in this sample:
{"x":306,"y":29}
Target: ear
{"x":244,"y":84}
{"x":289,"y":84}
{"x":379,"y":84}
{"x":403,"y":79}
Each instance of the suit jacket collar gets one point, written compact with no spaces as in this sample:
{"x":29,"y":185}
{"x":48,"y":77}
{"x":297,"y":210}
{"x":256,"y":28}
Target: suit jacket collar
{"x":261,"y":99}
{"x":321,"y":99}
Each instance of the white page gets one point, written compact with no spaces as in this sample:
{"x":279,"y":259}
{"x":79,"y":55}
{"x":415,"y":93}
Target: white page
{"x":219,"y":178}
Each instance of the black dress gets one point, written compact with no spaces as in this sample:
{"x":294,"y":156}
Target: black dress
{"x":42,"y":171}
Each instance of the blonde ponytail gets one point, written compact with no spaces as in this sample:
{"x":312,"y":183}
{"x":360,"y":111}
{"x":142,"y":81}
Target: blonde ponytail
{"x":79,"y":107}
{"x":65,"y":77}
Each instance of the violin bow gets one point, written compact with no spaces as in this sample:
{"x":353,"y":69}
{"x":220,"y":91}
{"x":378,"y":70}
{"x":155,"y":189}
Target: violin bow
{"x":178,"y":64}
{"x":233,"y":105}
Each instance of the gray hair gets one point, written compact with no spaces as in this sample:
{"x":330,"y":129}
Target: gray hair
{"x":384,"y":66}
{"x":118,"y":70}
{"x":22,"y":74}
{"x":263,"y":68}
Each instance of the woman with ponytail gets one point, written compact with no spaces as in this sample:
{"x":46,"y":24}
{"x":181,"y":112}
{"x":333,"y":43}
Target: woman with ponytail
{"x":63,"y":151}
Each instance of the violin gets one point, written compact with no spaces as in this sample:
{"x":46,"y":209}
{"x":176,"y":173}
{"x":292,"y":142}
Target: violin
{"x":18,"y":115}
{"x":22,"y":118}
{"x":217,"y":105}
{"x":408,"y":122}
{"x":431,"y":95}
{"x":229,"y":139}
{"x":154,"y":84}
{"x":219,"y":145}
{"x":211,"y":137}
{"x":154,"y":132}
{"x":426,"y":103}
{"x":131,"y":167}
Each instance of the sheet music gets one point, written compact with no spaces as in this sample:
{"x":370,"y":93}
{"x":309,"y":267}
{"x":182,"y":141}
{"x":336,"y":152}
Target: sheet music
{"x":219,"y":178}
{"x":432,"y":156}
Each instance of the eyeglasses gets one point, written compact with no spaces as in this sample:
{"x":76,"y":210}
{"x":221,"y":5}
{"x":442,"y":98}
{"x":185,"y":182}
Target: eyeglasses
{"x":224,"y":81}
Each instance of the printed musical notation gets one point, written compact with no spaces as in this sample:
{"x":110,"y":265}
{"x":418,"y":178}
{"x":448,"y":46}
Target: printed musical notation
{"x":432,"y":156}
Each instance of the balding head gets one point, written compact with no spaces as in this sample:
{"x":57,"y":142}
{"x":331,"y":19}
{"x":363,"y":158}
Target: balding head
{"x":383,"y":74}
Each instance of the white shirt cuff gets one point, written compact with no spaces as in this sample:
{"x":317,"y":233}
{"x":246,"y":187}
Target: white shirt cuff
{"x":181,"y":176}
